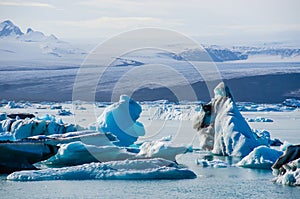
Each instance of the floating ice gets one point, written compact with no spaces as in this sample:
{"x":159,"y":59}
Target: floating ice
{"x":261,"y":157}
{"x":287,"y":167}
{"x":76,"y":153}
{"x":56,"y":106}
{"x":172,"y":112}
{"x":23,"y":128}
{"x":22,"y":155}
{"x":98,"y":149}
{"x":253,"y":107}
{"x":12,"y":104}
{"x":222,"y":129}
{"x":259,"y":119}
{"x":291,"y":176}
{"x":121,"y":120}
{"x":161,"y":149}
{"x":292,"y":102}
{"x":64,"y":112}
{"x":212,"y":163}
{"x":121,"y":170}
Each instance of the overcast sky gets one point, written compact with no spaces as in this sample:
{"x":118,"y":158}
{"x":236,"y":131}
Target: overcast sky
{"x":211,"y":21}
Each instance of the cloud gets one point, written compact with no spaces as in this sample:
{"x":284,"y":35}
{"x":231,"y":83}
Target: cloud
{"x":25,"y":4}
{"x":118,"y":22}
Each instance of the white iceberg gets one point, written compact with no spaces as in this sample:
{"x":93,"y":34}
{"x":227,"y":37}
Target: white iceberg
{"x":121,"y":170}
{"x":160,"y":149}
{"x":291,"y":175}
{"x":222,"y":129}
{"x":83,"y":151}
{"x":76,"y":153}
{"x":287,"y":167}
{"x":24,"y":128}
{"x":212,"y":163}
{"x":172,"y":112}
{"x":259,"y":119}
{"x":120,"y":119}
{"x":261,"y":157}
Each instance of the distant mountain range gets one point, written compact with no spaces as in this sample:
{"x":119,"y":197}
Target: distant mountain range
{"x":36,"y":48}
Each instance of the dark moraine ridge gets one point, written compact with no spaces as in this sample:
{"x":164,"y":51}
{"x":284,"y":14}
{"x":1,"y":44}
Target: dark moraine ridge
{"x":272,"y":88}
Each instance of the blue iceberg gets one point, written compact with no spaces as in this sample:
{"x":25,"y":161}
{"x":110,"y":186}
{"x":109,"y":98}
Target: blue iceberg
{"x":120,"y":119}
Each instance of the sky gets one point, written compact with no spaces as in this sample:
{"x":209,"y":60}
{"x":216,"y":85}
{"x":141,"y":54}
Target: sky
{"x":211,"y":22}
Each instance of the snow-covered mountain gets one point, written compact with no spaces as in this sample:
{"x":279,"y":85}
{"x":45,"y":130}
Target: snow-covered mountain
{"x":34,"y":48}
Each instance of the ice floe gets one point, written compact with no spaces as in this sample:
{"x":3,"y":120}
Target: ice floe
{"x":261,"y":157}
{"x":117,"y":170}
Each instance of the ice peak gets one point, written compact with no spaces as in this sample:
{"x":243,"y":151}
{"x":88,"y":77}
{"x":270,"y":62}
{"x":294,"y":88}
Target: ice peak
{"x":222,"y":90}
{"x":7,"y":28}
{"x":29,"y":30}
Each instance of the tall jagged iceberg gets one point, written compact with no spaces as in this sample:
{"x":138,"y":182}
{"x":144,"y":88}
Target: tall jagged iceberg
{"x":222,"y":128}
{"x":120,"y":119}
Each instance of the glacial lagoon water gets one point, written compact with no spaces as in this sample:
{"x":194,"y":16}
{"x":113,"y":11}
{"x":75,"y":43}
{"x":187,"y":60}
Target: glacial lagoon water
{"x":230,"y":182}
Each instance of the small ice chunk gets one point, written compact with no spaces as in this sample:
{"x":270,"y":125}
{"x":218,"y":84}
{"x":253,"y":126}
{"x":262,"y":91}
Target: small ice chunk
{"x":261,"y":157}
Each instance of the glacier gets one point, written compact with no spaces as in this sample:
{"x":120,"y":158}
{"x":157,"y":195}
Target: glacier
{"x":116,"y":170}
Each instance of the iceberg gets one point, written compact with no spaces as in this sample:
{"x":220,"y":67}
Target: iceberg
{"x":291,"y":176}
{"x":83,"y":151}
{"x":76,"y":153}
{"x":222,"y":129}
{"x":292,"y":103}
{"x":18,"y":150}
{"x":22,"y":155}
{"x":259,"y":119}
{"x":24,"y":128}
{"x":261,"y":157}
{"x":212,"y":163}
{"x":120,"y":119}
{"x":87,"y":136}
{"x":116,"y":170}
{"x":160,"y":149}
{"x":287,"y":167}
